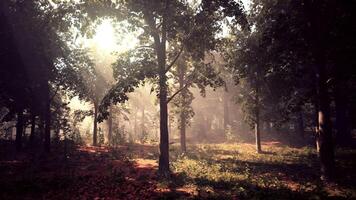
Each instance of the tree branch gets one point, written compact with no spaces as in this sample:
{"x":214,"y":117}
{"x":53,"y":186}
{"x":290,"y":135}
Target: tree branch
{"x":178,"y":91}
{"x":146,"y":46}
{"x":174,"y":60}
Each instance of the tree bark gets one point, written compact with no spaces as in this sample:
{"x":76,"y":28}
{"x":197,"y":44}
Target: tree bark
{"x":47,"y":120}
{"x":164,"y":138}
{"x":257,"y":117}
{"x":19,"y":130}
{"x":226,"y":110}
{"x":324,"y":134}
{"x":95,"y":127}
{"x":319,"y":41}
{"x":143,"y":121}
{"x":183,"y":118}
{"x":110,"y":126}
{"x":183,"y":122}
{"x":33,"y":128}
{"x":160,"y":48}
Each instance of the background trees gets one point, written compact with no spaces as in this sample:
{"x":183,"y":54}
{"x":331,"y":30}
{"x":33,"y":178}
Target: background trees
{"x":289,"y":65}
{"x":290,"y":46}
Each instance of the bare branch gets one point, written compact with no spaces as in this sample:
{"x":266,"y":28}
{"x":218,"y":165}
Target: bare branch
{"x":178,"y":91}
{"x":146,"y":46}
{"x":174,"y":60}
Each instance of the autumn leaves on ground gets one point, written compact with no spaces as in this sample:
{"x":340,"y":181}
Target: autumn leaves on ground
{"x":208,"y":171}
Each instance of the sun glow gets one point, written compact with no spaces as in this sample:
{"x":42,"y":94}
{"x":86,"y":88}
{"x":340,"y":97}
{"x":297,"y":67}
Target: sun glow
{"x":113,"y":37}
{"x":105,"y":38}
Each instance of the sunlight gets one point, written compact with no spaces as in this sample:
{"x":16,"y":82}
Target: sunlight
{"x":105,"y":38}
{"x":111,"y":38}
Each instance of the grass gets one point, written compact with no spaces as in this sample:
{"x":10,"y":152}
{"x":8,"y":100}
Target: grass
{"x":206,"y":171}
{"x":230,"y":171}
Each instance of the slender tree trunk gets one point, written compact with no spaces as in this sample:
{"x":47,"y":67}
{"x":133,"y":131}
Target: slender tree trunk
{"x":183,"y":122}
{"x":57,"y":136}
{"x":135,"y":124}
{"x":95,"y":127}
{"x":110,"y":126}
{"x":257,"y":117}
{"x":19,"y":130}
{"x":183,"y":119}
{"x":143,"y":121}
{"x":257,"y":134}
{"x":41,"y":128}
{"x":47,"y":115}
{"x":33,"y":128}
{"x":226,"y":110}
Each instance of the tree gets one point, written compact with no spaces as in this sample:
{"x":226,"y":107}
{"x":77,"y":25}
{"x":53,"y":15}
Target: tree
{"x":193,"y":28}
{"x":301,"y":38}
{"x":41,"y":40}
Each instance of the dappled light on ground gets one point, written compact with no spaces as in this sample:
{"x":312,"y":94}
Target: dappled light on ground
{"x":207,"y":171}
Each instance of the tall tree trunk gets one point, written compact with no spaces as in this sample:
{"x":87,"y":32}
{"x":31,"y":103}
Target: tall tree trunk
{"x":135,"y":124}
{"x":95,"y":127}
{"x":41,"y":128}
{"x":324,"y":134}
{"x":226,"y":110}
{"x":33,"y":128}
{"x":183,"y":122}
{"x":343,"y":129}
{"x":318,"y":28}
{"x":164,"y":138}
{"x":160,"y":48}
{"x":257,"y":117}
{"x":47,"y":120}
{"x":19,"y":129}
{"x":183,"y":117}
{"x":110,"y":126}
{"x":143,"y":121}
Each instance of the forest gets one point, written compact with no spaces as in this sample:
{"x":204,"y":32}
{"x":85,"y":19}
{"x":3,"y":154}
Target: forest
{"x":177,"y":99}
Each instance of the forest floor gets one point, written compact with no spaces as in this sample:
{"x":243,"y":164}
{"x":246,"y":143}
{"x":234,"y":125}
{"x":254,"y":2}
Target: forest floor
{"x":207,"y":171}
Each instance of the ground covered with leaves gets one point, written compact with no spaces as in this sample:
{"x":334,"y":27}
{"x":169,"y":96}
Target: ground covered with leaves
{"x":207,"y":171}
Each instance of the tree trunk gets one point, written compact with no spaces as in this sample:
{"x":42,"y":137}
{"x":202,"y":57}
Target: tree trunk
{"x":319,"y":38}
{"x":41,"y":128}
{"x":19,"y":130}
{"x":257,"y":134}
{"x":226,"y":110}
{"x":164,"y":138}
{"x":95,"y":128}
{"x":324,"y":135}
{"x":135,"y":124}
{"x":183,"y":119}
{"x":33,"y":128}
{"x":110,"y":126}
{"x":47,"y":131}
{"x":182,"y":133}
{"x":160,"y":49}
{"x":257,"y":117}
{"x":143,"y":121}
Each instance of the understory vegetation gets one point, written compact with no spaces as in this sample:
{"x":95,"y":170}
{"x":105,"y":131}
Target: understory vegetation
{"x":208,"y":171}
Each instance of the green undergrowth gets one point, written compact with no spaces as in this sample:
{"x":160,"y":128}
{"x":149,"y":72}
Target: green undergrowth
{"x":230,"y":171}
